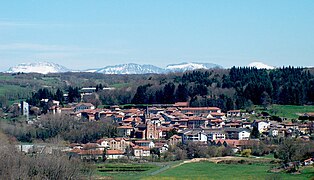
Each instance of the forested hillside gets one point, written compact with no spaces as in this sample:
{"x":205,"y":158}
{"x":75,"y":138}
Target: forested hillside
{"x":235,"y":88}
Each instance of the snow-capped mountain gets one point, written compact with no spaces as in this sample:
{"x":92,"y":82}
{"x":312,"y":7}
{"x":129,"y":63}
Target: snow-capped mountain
{"x":131,"y":68}
{"x":38,"y":67}
{"x":190,"y":66}
{"x":260,"y":65}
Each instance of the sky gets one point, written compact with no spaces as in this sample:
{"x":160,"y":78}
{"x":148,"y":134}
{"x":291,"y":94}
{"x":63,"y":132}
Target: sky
{"x":83,"y":34}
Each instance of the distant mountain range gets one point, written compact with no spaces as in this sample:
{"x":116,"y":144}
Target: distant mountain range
{"x":39,"y":67}
{"x":130,"y":68}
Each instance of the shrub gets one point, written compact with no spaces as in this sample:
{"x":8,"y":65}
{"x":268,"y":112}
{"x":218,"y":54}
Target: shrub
{"x":246,"y":152}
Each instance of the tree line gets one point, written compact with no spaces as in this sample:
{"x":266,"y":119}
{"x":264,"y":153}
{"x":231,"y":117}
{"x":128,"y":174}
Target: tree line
{"x":237,"y":88}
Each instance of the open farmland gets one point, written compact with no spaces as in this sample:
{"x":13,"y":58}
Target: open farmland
{"x":209,"y":170}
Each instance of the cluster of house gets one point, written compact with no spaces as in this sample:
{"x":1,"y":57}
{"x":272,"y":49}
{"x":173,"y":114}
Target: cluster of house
{"x":116,"y":148}
{"x":140,"y":130}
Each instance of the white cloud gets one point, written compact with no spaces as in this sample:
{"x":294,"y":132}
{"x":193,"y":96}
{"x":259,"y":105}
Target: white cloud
{"x":32,"y":47}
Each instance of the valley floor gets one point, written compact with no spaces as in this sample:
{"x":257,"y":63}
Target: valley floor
{"x":212,"y":168}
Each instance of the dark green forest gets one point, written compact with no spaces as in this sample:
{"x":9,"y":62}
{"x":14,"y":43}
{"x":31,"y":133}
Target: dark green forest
{"x":239,"y":88}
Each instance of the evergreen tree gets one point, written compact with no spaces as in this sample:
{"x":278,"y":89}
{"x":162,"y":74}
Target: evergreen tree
{"x":255,"y":133}
{"x":181,"y":94}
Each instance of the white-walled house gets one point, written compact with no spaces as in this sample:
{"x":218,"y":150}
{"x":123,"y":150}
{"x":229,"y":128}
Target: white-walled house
{"x":244,"y":134}
{"x":141,"y":151}
{"x":114,"y":154}
{"x":83,"y":106}
{"x":273,"y":132}
{"x":237,"y":133}
{"x":214,"y":134}
{"x":194,"y":136}
{"x":263,"y":126}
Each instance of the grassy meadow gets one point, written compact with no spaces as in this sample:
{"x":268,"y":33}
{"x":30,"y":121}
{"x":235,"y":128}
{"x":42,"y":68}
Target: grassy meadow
{"x":197,"y":170}
{"x":286,"y":111}
{"x":209,"y":170}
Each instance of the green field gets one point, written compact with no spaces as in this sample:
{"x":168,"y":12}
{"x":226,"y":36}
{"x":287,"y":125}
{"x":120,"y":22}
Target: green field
{"x":198,"y":170}
{"x":208,"y":170}
{"x":127,"y":171}
{"x":287,"y":111}
{"x":120,"y":85}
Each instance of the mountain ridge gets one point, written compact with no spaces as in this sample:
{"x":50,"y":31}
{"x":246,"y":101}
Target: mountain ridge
{"x":38,"y":67}
{"x":128,"y":68}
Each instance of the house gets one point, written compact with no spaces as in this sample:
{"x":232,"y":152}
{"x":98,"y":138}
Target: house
{"x":216,"y":123}
{"x":304,"y":128}
{"x":262,"y":126}
{"x":217,"y":115}
{"x":145,"y":143}
{"x":236,"y":145}
{"x":214,"y":134}
{"x":233,"y":125}
{"x":91,"y":154}
{"x":234,"y":113}
{"x":90,"y":114}
{"x":125,"y":131}
{"x":141,"y":148}
{"x":174,"y":140}
{"x":197,"y":122}
{"x":164,"y":131}
{"x":92,"y":146}
{"x":246,"y":125}
{"x":237,"y":133}
{"x":114,"y":154}
{"x":181,"y":104}
{"x":88,"y":90}
{"x":200,"y":110}
{"x":194,"y":135}
{"x":140,"y":151}
{"x":114,"y":143}
{"x":273,"y":132}
{"x":291,"y":126}
{"x":162,"y":147}
{"x":308,"y":162}
{"x":83,"y":106}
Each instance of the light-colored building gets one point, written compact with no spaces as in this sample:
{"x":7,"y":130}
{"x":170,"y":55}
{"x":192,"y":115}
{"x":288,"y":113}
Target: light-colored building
{"x":194,"y":135}
{"x":83,"y":106}
{"x":125,"y":130}
{"x":140,"y":151}
{"x":114,"y":154}
{"x":213,"y":134}
{"x":174,"y":140}
{"x":114,"y":143}
{"x":237,"y":133}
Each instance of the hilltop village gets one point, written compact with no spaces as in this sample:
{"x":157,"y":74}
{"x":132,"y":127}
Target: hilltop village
{"x":149,"y":129}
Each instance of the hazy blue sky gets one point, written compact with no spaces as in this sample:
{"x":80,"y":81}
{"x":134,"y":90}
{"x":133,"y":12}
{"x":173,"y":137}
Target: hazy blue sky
{"x":81,"y":34}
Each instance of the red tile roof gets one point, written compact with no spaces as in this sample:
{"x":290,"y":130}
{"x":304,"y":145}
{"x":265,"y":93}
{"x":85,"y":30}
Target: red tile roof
{"x":181,"y":104}
{"x":114,"y":152}
{"x":91,"y":152}
{"x":200,"y":108}
{"x":125,"y":127}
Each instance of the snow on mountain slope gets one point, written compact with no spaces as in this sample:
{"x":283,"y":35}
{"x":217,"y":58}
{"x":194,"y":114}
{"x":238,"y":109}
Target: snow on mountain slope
{"x":39,"y":67}
{"x":260,"y":65}
{"x":130,"y":68}
{"x":190,"y":66}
